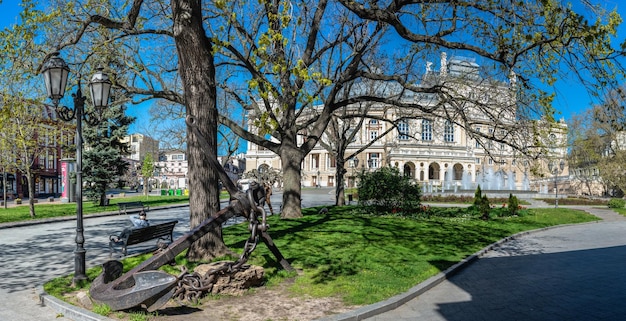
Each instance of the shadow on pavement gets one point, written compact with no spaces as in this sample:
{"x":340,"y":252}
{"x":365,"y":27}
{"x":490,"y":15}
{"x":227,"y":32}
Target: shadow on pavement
{"x":574,"y":285}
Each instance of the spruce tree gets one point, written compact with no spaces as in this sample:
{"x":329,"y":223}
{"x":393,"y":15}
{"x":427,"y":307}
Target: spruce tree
{"x":103,"y":158}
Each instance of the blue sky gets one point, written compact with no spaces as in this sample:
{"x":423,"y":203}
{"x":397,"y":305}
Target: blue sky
{"x":571,"y":97}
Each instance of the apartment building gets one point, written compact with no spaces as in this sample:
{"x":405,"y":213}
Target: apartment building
{"x":173,"y":168}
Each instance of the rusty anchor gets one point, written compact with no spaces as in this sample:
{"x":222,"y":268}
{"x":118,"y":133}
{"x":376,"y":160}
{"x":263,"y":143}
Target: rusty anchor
{"x":144,"y":286}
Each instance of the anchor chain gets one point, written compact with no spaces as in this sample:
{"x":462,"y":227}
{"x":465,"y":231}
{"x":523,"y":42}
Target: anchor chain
{"x":192,"y":286}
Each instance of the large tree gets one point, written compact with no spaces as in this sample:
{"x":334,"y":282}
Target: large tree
{"x":605,"y":141}
{"x":296,"y":57}
{"x":587,"y":144}
{"x":153,"y":50}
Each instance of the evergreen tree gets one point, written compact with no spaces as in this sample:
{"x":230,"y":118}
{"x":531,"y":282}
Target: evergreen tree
{"x":103,"y":159}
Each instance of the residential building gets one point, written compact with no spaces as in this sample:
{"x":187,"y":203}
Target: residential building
{"x":173,"y":168}
{"x":140,"y":146}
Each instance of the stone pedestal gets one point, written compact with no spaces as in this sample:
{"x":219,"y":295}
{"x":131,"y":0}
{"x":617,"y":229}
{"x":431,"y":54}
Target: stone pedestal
{"x":232,"y":283}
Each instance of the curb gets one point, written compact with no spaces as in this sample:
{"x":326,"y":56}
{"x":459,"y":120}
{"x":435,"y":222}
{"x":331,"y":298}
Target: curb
{"x":68,"y":310}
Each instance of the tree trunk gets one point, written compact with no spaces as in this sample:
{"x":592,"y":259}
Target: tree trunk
{"x":340,"y":199}
{"x":197,"y":72}
{"x":146,"y":186}
{"x":292,"y":202}
{"x":31,"y":193}
{"x":103,"y":198}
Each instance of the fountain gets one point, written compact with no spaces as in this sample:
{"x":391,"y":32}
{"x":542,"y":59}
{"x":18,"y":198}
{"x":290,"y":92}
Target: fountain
{"x":511,"y":180}
{"x":498,"y":180}
{"x":525,"y":183}
{"x":466,"y":180}
{"x":488,"y":179}
{"x":450,"y":178}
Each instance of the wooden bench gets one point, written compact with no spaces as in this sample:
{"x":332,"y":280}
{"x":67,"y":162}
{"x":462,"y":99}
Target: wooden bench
{"x":123,"y":207}
{"x":132,"y":236}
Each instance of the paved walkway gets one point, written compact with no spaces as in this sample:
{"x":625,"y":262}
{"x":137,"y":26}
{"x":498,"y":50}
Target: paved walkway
{"x":566,"y":273}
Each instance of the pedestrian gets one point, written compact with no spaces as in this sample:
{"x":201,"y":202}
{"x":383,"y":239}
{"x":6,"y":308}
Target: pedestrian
{"x":139,"y":220}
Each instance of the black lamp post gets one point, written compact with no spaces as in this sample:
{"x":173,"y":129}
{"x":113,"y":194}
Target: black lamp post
{"x":55,"y":72}
{"x":556,"y":170}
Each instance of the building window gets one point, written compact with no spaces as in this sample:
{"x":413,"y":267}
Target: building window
{"x":333,"y":161}
{"x":373,"y":134}
{"x":315,"y":161}
{"x":448,"y":132}
{"x":490,"y":161}
{"x":477,"y":160}
{"x":427,"y":130}
{"x":373,"y":160}
{"x":403,"y":130}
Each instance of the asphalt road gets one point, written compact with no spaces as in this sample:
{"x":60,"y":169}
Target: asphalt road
{"x":31,"y":255}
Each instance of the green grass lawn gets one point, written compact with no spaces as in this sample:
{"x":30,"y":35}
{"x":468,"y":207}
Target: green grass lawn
{"x":365,"y":259}
{"x":42,"y":210}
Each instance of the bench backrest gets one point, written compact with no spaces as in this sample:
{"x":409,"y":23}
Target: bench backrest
{"x":144,"y":234}
{"x":130,"y":204}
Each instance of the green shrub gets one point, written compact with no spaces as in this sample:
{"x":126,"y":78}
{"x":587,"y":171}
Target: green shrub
{"x":513,"y":204}
{"x":484,"y":208}
{"x":616,"y":203}
{"x":386,"y":190}
{"x":478,"y":196}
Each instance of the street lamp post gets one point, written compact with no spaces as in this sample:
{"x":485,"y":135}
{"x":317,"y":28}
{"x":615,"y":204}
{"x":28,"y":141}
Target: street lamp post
{"x":355,"y":162}
{"x":55,"y":73}
{"x":319,"y":184}
{"x":556,"y":170}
